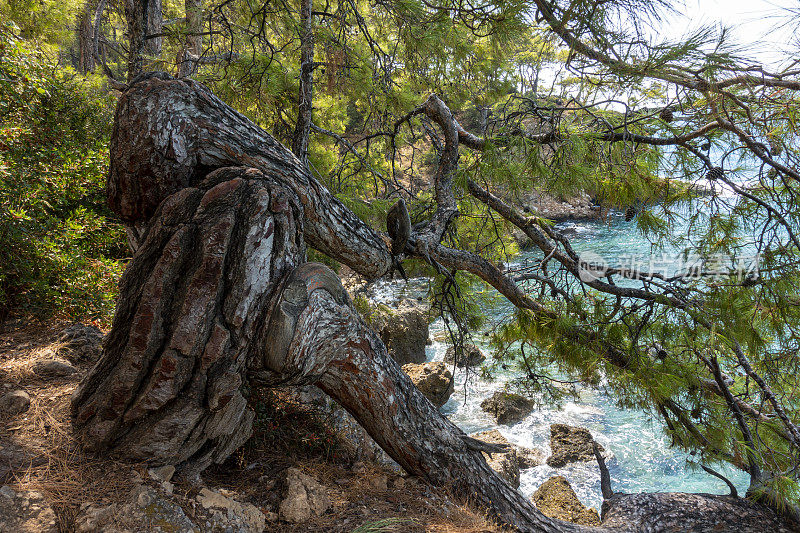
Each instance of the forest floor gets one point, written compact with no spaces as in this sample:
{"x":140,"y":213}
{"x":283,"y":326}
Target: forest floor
{"x":38,"y":452}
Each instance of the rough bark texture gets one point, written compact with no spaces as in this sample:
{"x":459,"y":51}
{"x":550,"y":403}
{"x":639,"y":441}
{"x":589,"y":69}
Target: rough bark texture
{"x":190,"y":53}
{"x":145,"y":24}
{"x":676,"y":511}
{"x":86,"y":39}
{"x":192,"y":301}
{"x":168,"y":133}
{"x":316,"y":336}
{"x":218,"y":294}
{"x":305,"y":97}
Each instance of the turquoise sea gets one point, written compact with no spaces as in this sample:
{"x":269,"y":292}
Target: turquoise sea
{"x":641,"y":459}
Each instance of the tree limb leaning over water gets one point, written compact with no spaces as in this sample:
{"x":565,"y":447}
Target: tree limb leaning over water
{"x":219,"y":294}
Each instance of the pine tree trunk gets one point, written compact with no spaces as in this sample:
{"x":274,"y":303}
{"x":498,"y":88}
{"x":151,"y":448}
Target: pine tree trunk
{"x":144,"y":20}
{"x":305,"y":97}
{"x":218,"y":298}
{"x":190,"y":53}
{"x":86,"y":39}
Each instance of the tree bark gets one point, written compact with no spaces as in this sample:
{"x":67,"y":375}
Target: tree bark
{"x":145,"y":24}
{"x":305,"y":97}
{"x":169,"y":133}
{"x":85,"y":39}
{"x":190,"y":315}
{"x":218,"y":297}
{"x":193,"y":47}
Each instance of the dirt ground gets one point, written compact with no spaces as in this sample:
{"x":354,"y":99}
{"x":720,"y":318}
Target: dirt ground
{"x":39,"y":452}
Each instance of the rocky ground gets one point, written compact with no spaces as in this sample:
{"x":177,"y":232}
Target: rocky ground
{"x":293,"y":475}
{"x":308,"y":467}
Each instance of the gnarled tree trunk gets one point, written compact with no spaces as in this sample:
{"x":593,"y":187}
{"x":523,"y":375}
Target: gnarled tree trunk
{"x":218,"y":295}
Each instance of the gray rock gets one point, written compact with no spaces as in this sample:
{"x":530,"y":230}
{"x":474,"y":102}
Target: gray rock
{"x":162,"y":473}
{"x":542,"y":204}
{"x":305,"y":498}
{"x":14,"y":402}
{"x":526,"y":457}
{"x":80,"y":343}
{"x":434,"y":380}
{"x":234,"y":515}
{"x":404,"y":331}
{"x":25,"y":511}
{"x":354,"y":438}
{"x":570,"y":444}
{"x":530,"y":457}
{"x":507,"y":407}
{"x":53,"y":368}
{"x":506,"y":464}
{"x":470,"y":355}
{"x":145,"y":510}
{"x":556,"y":499}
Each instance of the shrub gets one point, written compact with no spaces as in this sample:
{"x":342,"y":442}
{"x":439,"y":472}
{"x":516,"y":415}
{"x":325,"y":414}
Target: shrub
{"x":60,"y":250}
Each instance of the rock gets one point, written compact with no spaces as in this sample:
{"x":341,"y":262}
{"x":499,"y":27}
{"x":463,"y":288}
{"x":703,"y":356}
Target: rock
{"x":556,"y":499}
{"x":434,"y":380}
{"x":162,"y":473}
{"x":25,"y":511}
{"x":507,"y":407}
{"x":570,"y":444}
{"x":529,"y":457}
{"x":305,"y":497}
{"x":542,"y":204}
{"x":16,"y":458}
{"x":243,"y":517}
{"x":145,"y":510}
{"x":471,"y":355}
{"x":526,"y":457}
{"x":506,"y":464}
{"x":676,"y":511}
{"x":404,"y":331}
{"x":523,"y":241}
{"x":80,"y":343}
{"x":354,"y":438}
{"x":53,"y":368}
{"x":379,"y":483}
{"x":14,"y":402}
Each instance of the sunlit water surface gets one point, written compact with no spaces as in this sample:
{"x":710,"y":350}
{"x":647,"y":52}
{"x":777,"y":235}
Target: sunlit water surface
{"x":641,"y":459}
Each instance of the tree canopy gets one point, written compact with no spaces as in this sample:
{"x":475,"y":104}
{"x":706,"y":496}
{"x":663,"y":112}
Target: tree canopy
{"x":459,"y":106}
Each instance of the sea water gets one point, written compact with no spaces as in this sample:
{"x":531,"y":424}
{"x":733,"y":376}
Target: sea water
{"x":641,"y":459}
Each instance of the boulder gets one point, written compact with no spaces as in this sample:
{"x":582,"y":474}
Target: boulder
{"x":404,"y":331}
{"x":14,"y":402}
{"x":530,"y":457}
{"x":507,"y":407}
{"x":79,"y":343}
{"x":354,"y":439}
{"x":434,"y":380}
{"x":545,"y":205}
{"x":144,"y":508}
{"x":24,"y":511}
{"x":556,"y":499}
{"x":506,"y":464}
{"x":305,"y":497}
{"x":150,"y":509}
{"x":234,"y":515}
{"x":53,"y":368}
{"x":523,"y":457}
{"x":570,"y":444}
{"x":527,"y":457}
{"x":470,"y":355}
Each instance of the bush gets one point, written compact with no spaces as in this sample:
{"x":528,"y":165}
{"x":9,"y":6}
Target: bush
{"x":60,"y":252}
